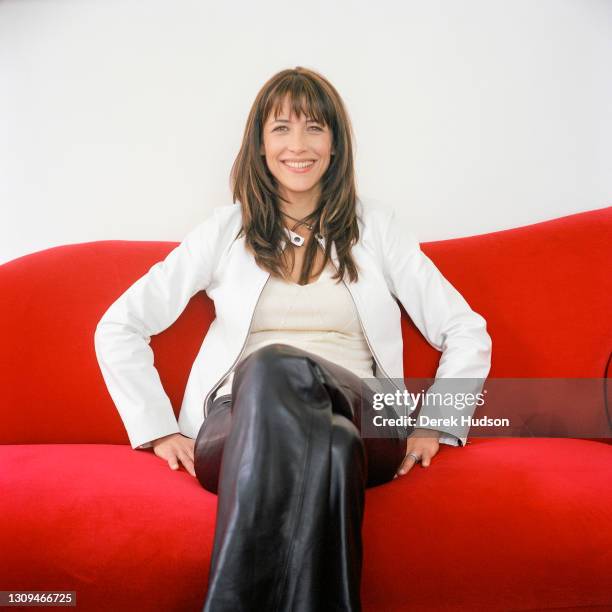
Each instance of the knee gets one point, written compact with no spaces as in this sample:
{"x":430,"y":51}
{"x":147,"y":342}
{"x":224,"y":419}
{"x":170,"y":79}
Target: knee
{"x":267,"y":360}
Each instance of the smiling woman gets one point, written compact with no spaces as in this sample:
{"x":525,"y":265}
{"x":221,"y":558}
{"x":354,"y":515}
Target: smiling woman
{"x":303,"y":141}
{"x":297,"y":158}
{"x":280,"y":399}
{"x":299,"y":146}
{"x":307,"y":145}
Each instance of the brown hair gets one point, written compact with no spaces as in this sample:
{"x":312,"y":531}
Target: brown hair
{"x":256,"y":189}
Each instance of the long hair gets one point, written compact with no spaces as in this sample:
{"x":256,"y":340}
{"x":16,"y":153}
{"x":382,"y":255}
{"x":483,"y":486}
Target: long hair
{"x":254,"y":186}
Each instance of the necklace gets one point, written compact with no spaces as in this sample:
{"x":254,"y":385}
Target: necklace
{"x":300,"y":221}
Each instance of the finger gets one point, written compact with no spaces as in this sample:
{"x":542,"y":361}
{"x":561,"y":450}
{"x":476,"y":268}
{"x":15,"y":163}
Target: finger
{"x":186,"y":461}
{"x":190,"y":450}
{"x":407,"y":465}
{"x":190,"y":468}
{"x":426,"y":458}
{"x":173,"y":462}
{"x":403,"y":465}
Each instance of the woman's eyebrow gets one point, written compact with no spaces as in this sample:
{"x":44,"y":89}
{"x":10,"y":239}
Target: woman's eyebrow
{"x":287,"y":121}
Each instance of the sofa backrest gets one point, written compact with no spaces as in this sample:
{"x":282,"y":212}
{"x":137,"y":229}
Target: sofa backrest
{"x":544,"y":290}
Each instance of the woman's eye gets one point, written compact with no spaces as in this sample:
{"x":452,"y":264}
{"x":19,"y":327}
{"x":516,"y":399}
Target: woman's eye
{"x":281,"y":127}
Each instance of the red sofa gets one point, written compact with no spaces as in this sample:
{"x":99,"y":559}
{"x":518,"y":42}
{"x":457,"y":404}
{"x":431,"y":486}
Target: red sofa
{"x":502,"y":524}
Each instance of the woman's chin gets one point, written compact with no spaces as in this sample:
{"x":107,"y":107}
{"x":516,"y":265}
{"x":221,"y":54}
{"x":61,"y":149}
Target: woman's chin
{"x":298,"y":187}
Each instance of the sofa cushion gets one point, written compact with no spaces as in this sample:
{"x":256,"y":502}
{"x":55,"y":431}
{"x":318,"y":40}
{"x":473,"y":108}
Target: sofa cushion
{"x":519,"y":521}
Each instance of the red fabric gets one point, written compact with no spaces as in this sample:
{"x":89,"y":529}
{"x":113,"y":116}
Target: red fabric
{"x":546,"y":293}
{"x":503,"y":524}
{"x":517,"y":522}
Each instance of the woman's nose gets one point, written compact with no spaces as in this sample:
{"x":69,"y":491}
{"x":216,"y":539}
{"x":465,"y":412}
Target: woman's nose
{"x":296,"y":143}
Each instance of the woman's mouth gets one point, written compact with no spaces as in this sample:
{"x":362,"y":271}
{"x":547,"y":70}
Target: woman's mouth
{"x":299,"y":167}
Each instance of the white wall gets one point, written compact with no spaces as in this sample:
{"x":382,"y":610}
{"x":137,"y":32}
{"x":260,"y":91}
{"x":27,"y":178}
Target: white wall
{"x":120,"y":120}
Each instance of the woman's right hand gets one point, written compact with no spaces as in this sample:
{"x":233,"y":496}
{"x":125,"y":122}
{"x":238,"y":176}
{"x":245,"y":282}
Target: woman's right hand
{"x":174,"y":448}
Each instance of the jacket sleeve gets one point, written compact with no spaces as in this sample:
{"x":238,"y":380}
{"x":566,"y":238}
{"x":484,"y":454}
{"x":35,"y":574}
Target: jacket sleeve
{"x":148,"y":307}
{"x":448,"y":324}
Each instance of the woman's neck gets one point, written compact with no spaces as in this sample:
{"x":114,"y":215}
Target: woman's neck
{"x":300,"y":207}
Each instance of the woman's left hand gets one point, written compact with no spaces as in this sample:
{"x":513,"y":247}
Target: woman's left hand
{"x":424,"y":445}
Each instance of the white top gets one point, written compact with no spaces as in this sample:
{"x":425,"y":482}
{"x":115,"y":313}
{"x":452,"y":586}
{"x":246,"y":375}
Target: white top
{"x":319,"y":317}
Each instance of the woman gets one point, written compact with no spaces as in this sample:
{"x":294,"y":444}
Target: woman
{"x":306,"y":336}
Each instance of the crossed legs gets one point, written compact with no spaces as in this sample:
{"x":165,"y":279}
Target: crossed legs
{"x":285,"y":456}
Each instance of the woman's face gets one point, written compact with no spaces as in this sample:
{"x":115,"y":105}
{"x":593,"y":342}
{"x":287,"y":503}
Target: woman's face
{"x":305,"y":143}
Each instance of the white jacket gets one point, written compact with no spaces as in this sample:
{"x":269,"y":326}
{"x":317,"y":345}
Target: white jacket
{"x":390,"y":263}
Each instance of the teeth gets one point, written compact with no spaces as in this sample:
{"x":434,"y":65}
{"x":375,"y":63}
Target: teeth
{"x":299,"y":164}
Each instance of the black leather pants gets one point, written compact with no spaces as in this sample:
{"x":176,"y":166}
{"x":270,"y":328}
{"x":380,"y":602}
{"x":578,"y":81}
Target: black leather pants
{"x":285,"y":455}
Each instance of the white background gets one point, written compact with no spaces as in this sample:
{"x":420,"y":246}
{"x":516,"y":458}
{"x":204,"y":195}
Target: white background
{"x":120,"y":120}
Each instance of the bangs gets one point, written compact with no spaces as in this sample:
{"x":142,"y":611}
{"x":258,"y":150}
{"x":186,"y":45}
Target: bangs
{"x":304,"y":99}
